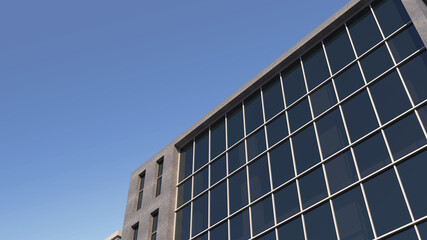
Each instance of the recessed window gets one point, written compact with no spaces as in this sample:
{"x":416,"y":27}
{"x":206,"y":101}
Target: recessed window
{"x":154,"y":222}
{"x":141,"y":190}
{"x":159,"y":177}
{"x":135,"y":231}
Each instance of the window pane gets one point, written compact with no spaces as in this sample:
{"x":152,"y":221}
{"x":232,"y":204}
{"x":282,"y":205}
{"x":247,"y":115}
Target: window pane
{"x":386,"y":203}
{"x":256,"y":144}
{"x":184,"y":192}
{"x":413,"y":175}
{"x":186,"y":161}
{"x":299,"y":114}
{"x":292,"y":230}
{"x":220,"y":232}
{"x":236,"y":157}
{"x":218,"y":202}
{"x":200,"y":181}
{"x":405,"y":43}
{"x":182,"y":229}
{"x":218,"y":170}
{"x":341,"y":172}
{"x":339,"y":50}
{"x":371,"y":155}
{"x":305,"y":149}
{"x":359,"y":116}
{"x":217,"y":138}
{"x":273,"y":98}
{"x":389,"y":97}
{"x":405,"y":136}
{"x":376,"y":63}
{"x":202,"y":151}
{"x":155,"y":221}
{"x":139,"y":204}
{"x":203,"y":237}
{"x":349,"y":81}
{"x":331,"y":131}
{"x":159,"y":186}
{"x":422,"y":228}
{"x":238,"y":191}
{"x":235,"y":125}
{"x":351,"y":216}
{"x":277,"y":130}
{"x":323,"y":98}
{"x":262,"y":215}
{"x":286,"y":200}
{"x":239,"y":226}
{"x":259,"y":178}
{"x":364,"y":31}
{"x":391,"y":15}
{"x":413,"y":74}
{"x":313,"y":187}
{"x":319,"y":223}
{"x":200,"y":214}
{"x":423,"y":115}
{"x":282,"y":167}
{"x":253,"y":112}
{"x":315,"y":67}
{"x":293,"y":83}
{"x":269,"y":236}
{"x":408,"y":234}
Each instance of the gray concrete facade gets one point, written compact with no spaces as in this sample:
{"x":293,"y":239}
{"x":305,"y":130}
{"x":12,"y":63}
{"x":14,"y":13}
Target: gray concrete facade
{"x":166,"y":201}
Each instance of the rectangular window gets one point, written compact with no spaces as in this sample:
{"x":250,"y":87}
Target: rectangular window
{"x":141,"y":189}
{"x":159,"y":176}
{"x":154,"y":221}
{"x":135,"y":231}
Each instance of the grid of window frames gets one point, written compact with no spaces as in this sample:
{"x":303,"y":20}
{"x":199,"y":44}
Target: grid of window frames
{"x":332,"y":148}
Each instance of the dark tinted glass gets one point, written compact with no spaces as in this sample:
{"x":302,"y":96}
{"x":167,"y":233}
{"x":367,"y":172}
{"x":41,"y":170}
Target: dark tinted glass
{"x":200,"y":214}
{"x":218,"y":202}
{"x":405,"y":136}
{"x":414,"y":74}
{"x":140,"y":196}
{"x":293,"y":83}
{"x":319,"y":223}
{"x":277,"y":130}
{"x":182,"y":229}
{"x":256,"y":144}
{"x":315,"y":67}
{"x":238,"y":190}
{"x":341,"y":172}
{"x":218,"y":170}
{"x":331,"y":132}
{"x":236,"y":157}
{"x":359,"y":116}
{"x":200,"y":181}
{"x":376,"y":63}
{"x":414,"y":177}
{"x":371,"y":155}
{"x":405,"y":43}
{"x":184,"y":192}
{"x":423,"y":115}
{"x":217,"y":138}
{"x":323,"y":98}
{"x":253,"y":112}
{"x":282,"y":167}
{"x":351,"y":216}
{"x":269,"y":236}
{"x":262,"y":215}
{"x":259,"y":178}
{"x":408,"y":234}
{"x":386,"y":203}
{"x":234,"y":125}
{"x":339,"y":50}
{"x":239,"y":226}
{"x":422,"y":228}
{"x":220,"y":232}
{"x":273,"y":98}
{"x":305,"y":149}
{"x":390,"y":97}
{"x":349,"y":81}
{"x":313,"y":187}
{"x":364,"y":31}
{"x":203,"y":237}
{"x":186,"y":161}
{"x":286,"y":200}
{"x":299,"y":114}
{"x":202,"y":151}
{"x":292,"y":230}
{"x":391,"y":15}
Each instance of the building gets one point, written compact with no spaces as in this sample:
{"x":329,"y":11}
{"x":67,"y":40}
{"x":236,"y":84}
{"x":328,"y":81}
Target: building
{"x":117,"y":235}
{"x":328,"y":142}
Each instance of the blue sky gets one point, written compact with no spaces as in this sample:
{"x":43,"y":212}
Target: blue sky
{"x":91,"y":89}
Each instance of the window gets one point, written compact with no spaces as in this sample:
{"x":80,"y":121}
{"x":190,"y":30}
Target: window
{"x":299,"y":114}
{"x":292,"y":230}
{"x":159,"y":177}
{"x":376,"y":63}
{"x":141,"y":190}
{"x":262,"y":215}
{"x":273,"y":98}
{"x":154,"y":221}
{"x":319,"y":223}
{"x":135,"y":231}
{"x":315,"y":67}
{"x":253,"y":112}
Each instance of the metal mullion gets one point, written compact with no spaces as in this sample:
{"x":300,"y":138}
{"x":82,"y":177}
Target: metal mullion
{"x":226,"y":175}
{"x":247,"y":168}
{"x":402,"y":228}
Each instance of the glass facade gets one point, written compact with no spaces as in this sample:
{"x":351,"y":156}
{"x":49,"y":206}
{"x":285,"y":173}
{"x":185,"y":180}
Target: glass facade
{"x":333,"y":147}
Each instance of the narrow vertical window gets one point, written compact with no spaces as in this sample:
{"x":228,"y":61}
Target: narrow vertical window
{"x":141,"y":189}
{"x":135,"y":231}
{"x":159,"y":177}
{"x":154,"y":221}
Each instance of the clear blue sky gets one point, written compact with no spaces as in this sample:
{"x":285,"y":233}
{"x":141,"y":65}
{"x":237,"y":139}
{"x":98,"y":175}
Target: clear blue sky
{"x":90,"y":89}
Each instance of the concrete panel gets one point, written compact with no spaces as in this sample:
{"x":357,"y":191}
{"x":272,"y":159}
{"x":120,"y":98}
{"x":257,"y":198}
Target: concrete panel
{"x":417,"y":10}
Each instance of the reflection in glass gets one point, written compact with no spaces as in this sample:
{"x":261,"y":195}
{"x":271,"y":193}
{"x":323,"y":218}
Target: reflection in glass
{"x":239,"y":226}
{"x":313,"y":187}
{"x":273,"y":98}
{"x":331,"y":131}
{"x":259,"y":177}
{"x":315,"y":67}
{"x":286,"y":200}
{"x":341,"y":171}
{"x":253,"y":112}
{"x":323,"y":98}
{"x":413,"y":74}
{"x":238,"y":190}
{"x":292,"y":230}
{"x":218,"y":202}
{"x":217,"y":138}
{"x":391,"y":15}
{"x":262,"y":215}
{"x":305,"y":149}
{"x":236,"y":157}
{"x":348,"y":81}
{"x":299,"y":115}
{"x":202,"y":150}
{"x":405,"y":43}
{"x":339,"y":50}
{"x":376,"y":63}
{"x":282,"y":167}
{"x":319,"y":223}
{"x":256,"y":144}
{"x":234,"y":125}
{"x":277,"y":130}
{"x":293,"y":83}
